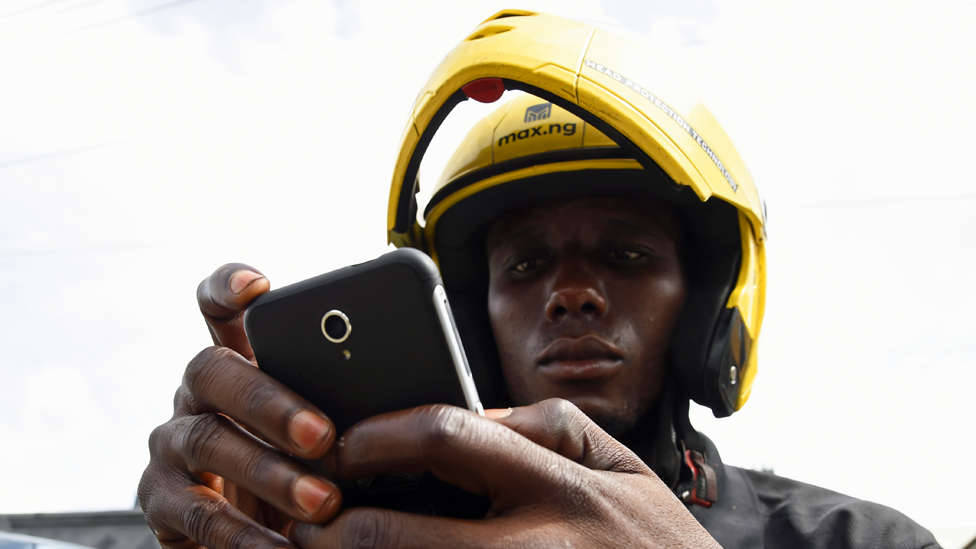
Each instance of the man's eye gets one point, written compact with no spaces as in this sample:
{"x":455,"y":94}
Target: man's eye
{"x":624,"y":255}
{"x":529,"y":264}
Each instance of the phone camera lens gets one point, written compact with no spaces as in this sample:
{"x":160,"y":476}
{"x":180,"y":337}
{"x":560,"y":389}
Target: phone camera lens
{"x":335,"y":326}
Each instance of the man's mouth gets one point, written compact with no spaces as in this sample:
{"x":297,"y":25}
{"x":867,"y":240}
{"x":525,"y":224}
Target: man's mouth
{"x":587,"y":357}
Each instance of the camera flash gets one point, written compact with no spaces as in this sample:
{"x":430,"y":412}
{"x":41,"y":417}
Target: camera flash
{"x":347,"y":354}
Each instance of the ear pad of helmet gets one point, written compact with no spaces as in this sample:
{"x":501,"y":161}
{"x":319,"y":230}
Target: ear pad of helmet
{"x":700,"y":360}
{"x":726,"y":356}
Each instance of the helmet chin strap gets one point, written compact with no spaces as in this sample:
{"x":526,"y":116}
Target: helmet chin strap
{"x":697,"y":482}
{"x":663,"y":455}
{"x":679,"y":454}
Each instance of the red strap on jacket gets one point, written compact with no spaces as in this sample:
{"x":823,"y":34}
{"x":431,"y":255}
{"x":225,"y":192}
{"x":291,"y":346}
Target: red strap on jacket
{"x":704,"y":486}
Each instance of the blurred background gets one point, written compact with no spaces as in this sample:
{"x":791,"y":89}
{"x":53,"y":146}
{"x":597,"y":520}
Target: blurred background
{"x":143,"y":143}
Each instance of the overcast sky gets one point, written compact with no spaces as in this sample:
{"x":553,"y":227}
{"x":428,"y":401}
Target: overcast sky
{"x":144,"y":143}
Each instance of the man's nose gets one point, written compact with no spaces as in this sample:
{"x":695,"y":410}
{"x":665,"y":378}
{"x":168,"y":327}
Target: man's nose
{"x":573,"y":294}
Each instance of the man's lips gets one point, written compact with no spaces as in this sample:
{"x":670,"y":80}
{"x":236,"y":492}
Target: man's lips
{"x":586,"y":357}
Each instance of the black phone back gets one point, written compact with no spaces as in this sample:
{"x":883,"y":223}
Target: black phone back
{"x":395,"y":355}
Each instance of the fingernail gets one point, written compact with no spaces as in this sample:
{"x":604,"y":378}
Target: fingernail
{"x":498,"y":413}
{"x":307,"y":429}
{"x":310,"y":493}
{"x":242,"y":279}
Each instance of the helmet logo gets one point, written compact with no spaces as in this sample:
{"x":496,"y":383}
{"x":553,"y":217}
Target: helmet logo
{"x":566,"y":130}
{"x":538,"y":112}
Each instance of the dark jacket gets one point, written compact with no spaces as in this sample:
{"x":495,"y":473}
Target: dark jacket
{"x":755,"y":509}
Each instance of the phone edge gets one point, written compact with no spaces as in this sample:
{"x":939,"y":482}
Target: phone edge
{"x":453,"y":338}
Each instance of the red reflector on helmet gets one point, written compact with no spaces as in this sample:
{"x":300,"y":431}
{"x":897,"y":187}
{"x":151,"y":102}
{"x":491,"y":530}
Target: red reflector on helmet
{"x":485,"y":90}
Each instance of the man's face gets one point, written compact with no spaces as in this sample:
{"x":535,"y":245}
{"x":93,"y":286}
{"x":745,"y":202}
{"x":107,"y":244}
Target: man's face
{"x":583,"y":297}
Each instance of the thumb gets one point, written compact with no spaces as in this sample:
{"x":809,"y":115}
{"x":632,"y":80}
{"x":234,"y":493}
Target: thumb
{"x":223,"y":296}
{"x":560,"y":426}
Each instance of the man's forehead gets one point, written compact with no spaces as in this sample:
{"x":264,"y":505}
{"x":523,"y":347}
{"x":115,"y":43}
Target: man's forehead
{"x":623,"y":212}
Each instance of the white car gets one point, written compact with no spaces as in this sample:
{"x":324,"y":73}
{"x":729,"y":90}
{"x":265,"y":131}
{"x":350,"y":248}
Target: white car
{"x":19,"y":541}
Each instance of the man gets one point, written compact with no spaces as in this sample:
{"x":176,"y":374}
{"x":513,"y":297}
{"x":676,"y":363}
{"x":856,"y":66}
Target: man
{"x":599,"y":285}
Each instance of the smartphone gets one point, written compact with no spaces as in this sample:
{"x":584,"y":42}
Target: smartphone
{"x":365,"y":340}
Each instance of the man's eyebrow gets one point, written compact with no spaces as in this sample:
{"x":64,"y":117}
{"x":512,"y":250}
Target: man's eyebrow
{"x":528,"y":230}
{"x":648,"y":229}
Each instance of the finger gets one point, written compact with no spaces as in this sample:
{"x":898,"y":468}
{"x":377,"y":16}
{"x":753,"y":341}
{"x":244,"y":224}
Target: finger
{"x":560,"y":426}
{"x":371,"y":527}
{"x":213,"y":443}
{"x":459,"y":447}
{"x":223,"y":296}
{"x":185,"y":515}
{"x":218,"y":380}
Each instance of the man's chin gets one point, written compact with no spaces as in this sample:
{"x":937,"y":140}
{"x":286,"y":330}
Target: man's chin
{"x":615,"y":426}
{"x":617,"y":423}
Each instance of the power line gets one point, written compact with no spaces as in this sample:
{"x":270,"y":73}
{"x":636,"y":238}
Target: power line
{"x":29,"y":8}
{"x":886,"y":201}
{"x":58,"y":154}
{"x":133,"y":246}
{"x":134,"y":15}
{"x":80,"y":6}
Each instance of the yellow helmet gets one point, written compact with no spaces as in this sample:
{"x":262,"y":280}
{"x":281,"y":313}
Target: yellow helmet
{"x":603,"y":117}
